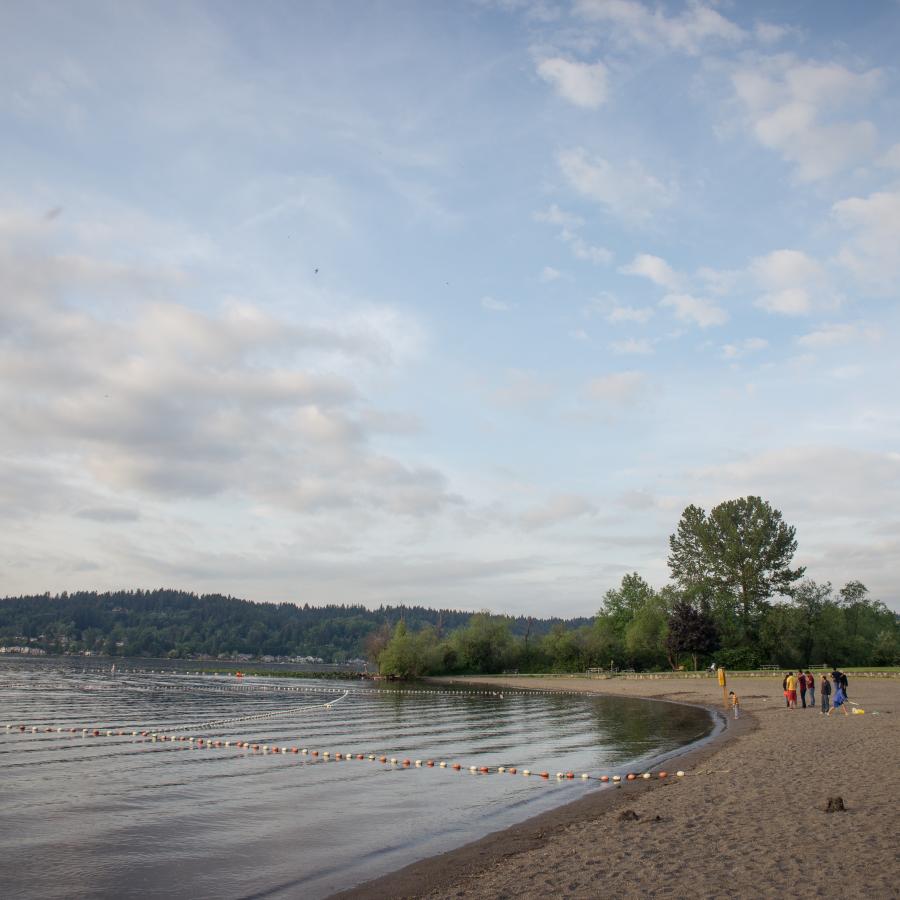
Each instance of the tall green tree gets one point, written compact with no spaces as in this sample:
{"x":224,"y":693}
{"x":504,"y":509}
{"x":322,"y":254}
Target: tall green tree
{"x":740,"y":554}
{"x":691,"y":630}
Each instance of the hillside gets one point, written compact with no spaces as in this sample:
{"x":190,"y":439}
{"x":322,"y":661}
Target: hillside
{"x":181,"y":624}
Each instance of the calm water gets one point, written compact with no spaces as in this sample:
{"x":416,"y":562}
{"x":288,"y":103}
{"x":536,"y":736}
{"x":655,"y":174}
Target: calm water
{"x":84,"y":816}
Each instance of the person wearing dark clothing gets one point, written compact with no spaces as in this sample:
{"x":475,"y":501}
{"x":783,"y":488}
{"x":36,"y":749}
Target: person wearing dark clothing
{"x":844,"y":683}
{"x":802,"y":682}
{"x":825,"y":690}
{"x":811,"y":688}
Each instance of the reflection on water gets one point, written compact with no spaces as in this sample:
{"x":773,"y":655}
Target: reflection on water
{"x":86,"y":816}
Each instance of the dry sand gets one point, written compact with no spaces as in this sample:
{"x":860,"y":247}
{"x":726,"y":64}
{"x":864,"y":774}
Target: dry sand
{"x":747,"y":821}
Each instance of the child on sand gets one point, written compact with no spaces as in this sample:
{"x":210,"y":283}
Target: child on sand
{"x":735,"y":704}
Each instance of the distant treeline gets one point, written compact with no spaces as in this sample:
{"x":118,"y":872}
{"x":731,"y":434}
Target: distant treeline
{"x":733,"y":599}
{"x":179,"y":624}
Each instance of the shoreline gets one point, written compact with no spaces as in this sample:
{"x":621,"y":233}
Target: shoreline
{"x":726,"y":829}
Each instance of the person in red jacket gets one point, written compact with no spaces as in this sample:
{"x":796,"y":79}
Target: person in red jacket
{"x":801,"y":681}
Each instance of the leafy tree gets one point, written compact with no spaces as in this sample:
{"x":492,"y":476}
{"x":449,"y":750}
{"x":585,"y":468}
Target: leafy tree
{"x":691,"y":630}
{"x":740,"y":553}
{"x":485,"y":644}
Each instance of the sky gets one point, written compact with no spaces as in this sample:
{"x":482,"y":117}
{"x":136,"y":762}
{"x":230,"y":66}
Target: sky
{"x":451,"y":304}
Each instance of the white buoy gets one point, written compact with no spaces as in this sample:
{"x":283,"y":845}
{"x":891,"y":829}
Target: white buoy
{"x":585,"y":775}
{"x":501,"y":769}
{"x":679,"y":774}
{"x":473,"y":769}
{"x":646,"y":775}
{"x":442,"y":764}
{"x":617,"y":778}
{"x":526,"y":772}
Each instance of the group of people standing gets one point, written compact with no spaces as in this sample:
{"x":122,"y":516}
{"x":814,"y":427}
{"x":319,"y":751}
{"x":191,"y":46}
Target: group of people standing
{"x":804,"y":683}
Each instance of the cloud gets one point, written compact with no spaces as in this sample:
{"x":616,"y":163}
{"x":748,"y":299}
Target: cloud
{"x":495,"y":305}
{"x":569,"y":224}
{"x":582,"y":250}
{"x":836,"y":335}
{"x":548,"y":274}
{"x":109,"y":514}
{"x":789,"y":106}
{"x":520,"y":388}
{"x":170,"y":402}
{"x":871,"y":254}
{"x":794,"y":283}
{"x":744,"y":347}
{"x":891,"y":158}
{"x":688,"y":32}
{"x":553,"y":215}
{"x":618,"y":388}
{"x":563,"y":508}
{"x":627,"y":191}
{"x":636,"y":346}
{"x":697,"y":310}
{"x":654,"y":268}
{"x":582,"y":84}
{"x":640,"y":315}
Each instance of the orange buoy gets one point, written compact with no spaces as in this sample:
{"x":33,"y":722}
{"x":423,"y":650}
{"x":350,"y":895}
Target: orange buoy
{"x":663,"y":774}
{"x":457,"y":766}
{"x":406,"y":762}
{"x":382,"y":759}
{"x":511,"y":771}
{"x":604,"y":778}
{"x":359,"y":756}
{"x":544,"y":774}
{"x":430,"y":763}
{"x":630,"y":776}
{"x":294,"y":750}
{"x":570,"y":774}
{"x":483,"y":770}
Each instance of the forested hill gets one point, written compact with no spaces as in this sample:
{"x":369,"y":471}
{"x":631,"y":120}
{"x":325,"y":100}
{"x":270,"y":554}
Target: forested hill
{"x":181,"y":624}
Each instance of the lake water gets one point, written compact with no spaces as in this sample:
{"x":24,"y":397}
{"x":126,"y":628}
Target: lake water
{"x":123,"y":815}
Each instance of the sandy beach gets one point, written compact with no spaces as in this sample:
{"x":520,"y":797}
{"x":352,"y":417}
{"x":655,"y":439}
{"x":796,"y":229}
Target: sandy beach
{"x":747,"y":820}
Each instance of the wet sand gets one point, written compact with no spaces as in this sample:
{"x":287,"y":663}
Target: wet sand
{"x":747,"y":820}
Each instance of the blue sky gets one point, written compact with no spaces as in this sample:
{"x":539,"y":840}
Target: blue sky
{"x":452,"y":304}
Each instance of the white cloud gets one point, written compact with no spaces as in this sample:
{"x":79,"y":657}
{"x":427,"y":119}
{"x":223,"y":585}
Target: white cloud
{"x":165,"y":402}
{"x":793,"y":282}
{"x":548,"y":274}
{"x":618,"y":388}
{"x":688,"y":32}
{"x":627,"y":191}
{"x":641,"y":315}
{"x":562,"y":508}
{"x":742,"y":348}
{"x":872,"y":252}
{"x":495,"y":305}
{"x":654,"y":268}
{"x":788,"y":110}
{"x":553,"y":215}
{"x":600,"y":256}
{"x":582,"y":84}
{"x":701,"y":312}
{"x":635,"y":346}
{"x":891,"y":158}
{"x":837,"y":334}
{"x":520,"y":388}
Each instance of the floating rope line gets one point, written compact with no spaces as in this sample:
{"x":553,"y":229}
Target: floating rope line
{"x":393,"y":762}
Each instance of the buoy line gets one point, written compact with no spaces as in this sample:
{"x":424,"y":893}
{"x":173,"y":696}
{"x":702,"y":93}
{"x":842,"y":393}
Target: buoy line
{"x":393,"y":762}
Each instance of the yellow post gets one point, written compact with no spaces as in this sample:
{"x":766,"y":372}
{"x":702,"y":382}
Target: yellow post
{"x":723,"y":682}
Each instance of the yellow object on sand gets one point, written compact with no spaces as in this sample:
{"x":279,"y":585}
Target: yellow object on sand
{"x":857,"y":711}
